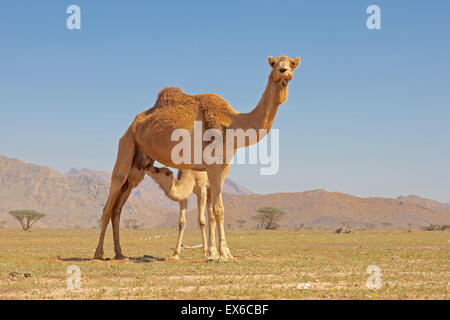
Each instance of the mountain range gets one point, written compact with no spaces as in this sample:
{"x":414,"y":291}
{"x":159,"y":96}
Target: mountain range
{"x":75,"y":200}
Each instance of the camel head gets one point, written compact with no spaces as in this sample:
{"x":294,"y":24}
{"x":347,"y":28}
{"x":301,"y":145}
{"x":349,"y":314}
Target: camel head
{"x":162,"y":176}
{"x":283,"y":69}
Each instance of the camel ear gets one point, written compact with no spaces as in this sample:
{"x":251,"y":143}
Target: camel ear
{"x":271,"y":61}
{"x":295,"y":62}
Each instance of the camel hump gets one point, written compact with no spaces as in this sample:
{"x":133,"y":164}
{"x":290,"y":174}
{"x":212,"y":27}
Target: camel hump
{"x":217,"y":112}
{"x":173,"y":96}
{"x":168,"y":92}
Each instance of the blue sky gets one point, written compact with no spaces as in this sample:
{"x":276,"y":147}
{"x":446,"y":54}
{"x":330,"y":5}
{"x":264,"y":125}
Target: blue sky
{"x":368,"y":110}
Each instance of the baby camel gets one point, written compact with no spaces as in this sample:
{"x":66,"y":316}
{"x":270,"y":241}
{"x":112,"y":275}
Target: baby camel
{"x":179,"y":190}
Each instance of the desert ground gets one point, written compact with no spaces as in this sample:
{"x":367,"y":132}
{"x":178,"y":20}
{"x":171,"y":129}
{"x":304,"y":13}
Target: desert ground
{"x":268,"y":265}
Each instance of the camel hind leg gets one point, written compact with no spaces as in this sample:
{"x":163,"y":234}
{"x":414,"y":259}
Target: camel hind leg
{"x":125,"y":156}
{"x":134,"y":179}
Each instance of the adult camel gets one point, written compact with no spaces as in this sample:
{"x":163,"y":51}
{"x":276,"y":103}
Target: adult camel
{"x":148,"y":139}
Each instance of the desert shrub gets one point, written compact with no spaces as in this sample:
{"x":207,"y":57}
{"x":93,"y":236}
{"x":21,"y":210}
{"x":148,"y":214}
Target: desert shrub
{"x":241,"y":223}
{"x":432,"y":227}
{"x":26,"y":218}
{"x":133,"y":224}
{"x":268,"y":217}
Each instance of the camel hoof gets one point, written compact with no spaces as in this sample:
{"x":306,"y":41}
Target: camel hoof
{"x":98,"y":256}
{"x":120,"y":257}
{"x":225,"y":254}
{"x":212,"y":257}
{"x":212,"y":254}
{"x":227,"y":257}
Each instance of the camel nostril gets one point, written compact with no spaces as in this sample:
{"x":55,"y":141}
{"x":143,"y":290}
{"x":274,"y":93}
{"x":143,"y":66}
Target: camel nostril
{"x":283,"y":70}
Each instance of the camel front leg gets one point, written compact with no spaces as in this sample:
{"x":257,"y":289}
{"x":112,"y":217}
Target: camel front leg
{"x":181,"y":227}
{"x":212,"y":250}
{"x":219,"y":212}
{"x":223,"y":247}
{"x":201,"y":204}
{"x":217,"y":176}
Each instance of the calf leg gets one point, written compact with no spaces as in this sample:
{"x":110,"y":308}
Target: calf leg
{"x":181,"y":226}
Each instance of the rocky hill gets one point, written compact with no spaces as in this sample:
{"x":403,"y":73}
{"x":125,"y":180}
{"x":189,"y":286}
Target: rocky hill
{"x":76,"y":199}
{"x":426,"y":203}
{"x":67,"y":200}
{"x":319,"y":208}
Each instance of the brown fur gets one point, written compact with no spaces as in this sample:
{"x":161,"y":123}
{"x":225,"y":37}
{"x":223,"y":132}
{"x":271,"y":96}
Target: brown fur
{"x":149,"y":136}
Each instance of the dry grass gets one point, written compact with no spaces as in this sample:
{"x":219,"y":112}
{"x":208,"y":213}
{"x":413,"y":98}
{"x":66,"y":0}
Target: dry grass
{"x":268,"y":265}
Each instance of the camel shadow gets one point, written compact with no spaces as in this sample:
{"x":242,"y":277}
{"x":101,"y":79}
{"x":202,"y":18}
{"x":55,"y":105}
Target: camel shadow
{"x":73,"y":259}
{"x":144,"y":259}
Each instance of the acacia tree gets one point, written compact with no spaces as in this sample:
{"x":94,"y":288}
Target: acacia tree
{"x":133,"y":224}
{"x":268,"y":217}
{"x":241,"y":223}
{"x":26,"y":217}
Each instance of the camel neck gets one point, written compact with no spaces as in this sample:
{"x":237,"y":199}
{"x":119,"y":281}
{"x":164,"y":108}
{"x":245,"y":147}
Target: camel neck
{"x":181,"y":189}
{"x":263,"y":115}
